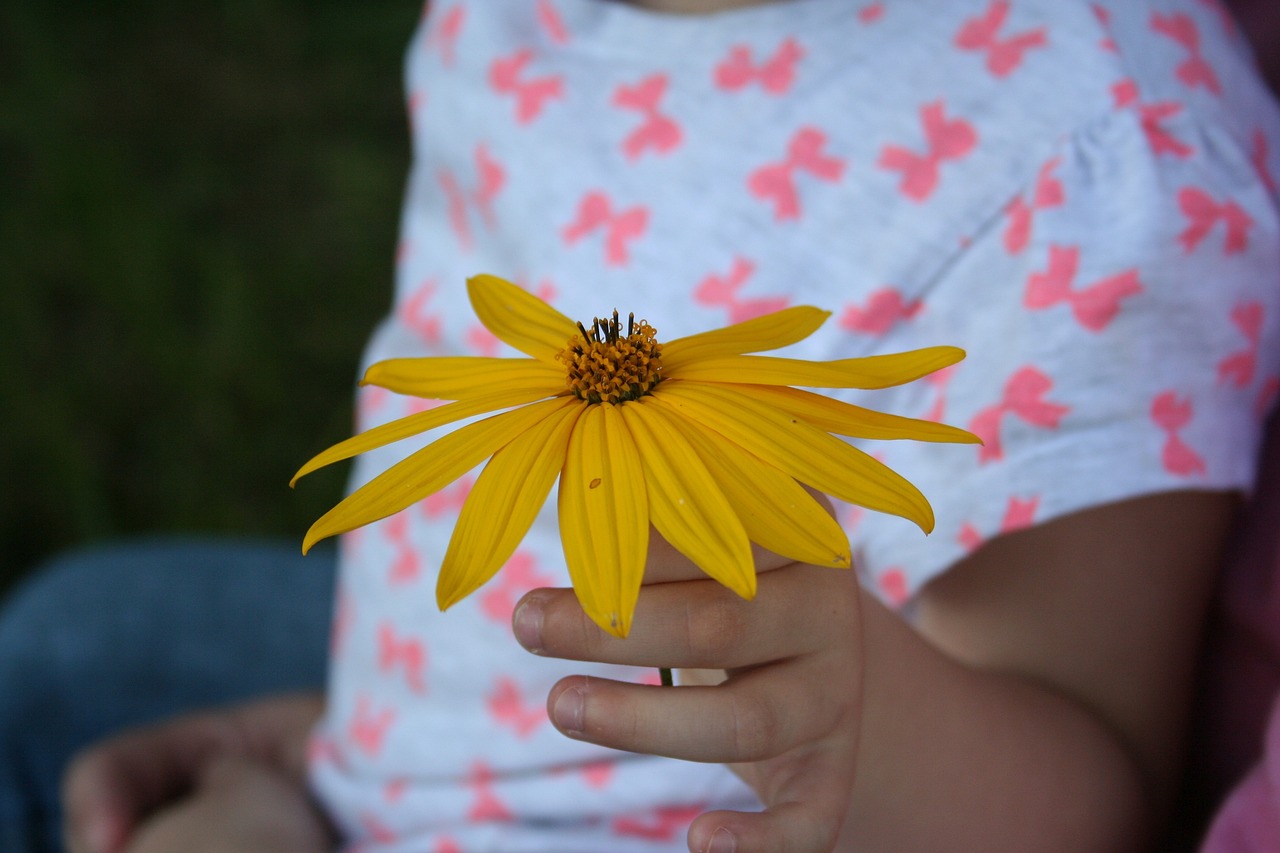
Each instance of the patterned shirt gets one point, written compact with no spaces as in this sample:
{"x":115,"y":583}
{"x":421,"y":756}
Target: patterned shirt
{"x":1081,"y":195}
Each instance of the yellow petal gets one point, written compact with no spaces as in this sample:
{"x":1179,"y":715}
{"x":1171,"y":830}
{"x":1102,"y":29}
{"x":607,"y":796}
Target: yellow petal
{"x":604,"y":518}
{"x":772,"y":331}
{"x":812,"y":456}
{"x":519,"y":318}
{"x":685,"y":504}
{"x":876,"y":371}
{"x":430,"y":469}
{"x":854,"y":421}
{"x":775,"y":510}
{"x":502,"y":505}
{"x":413,"y":425}
{"x":464,"y":377}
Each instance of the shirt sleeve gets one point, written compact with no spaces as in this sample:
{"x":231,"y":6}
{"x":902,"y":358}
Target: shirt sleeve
{"x":1120,"y":319}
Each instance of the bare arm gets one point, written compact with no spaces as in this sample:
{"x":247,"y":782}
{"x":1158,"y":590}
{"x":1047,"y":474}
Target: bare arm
{"x":1056,"y":690}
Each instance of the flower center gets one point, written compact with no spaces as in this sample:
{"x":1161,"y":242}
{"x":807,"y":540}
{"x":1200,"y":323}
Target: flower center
{"x":606,"y":366}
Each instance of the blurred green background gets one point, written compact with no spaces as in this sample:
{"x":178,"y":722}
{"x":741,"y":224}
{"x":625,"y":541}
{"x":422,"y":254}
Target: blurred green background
{"x":198,"y":208}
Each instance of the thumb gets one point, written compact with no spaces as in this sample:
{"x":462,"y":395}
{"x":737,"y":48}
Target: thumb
{"x":99,"y":807}
{"x":111,"y":786}
{"x":807,"y":799}
{"x":796,"y":827}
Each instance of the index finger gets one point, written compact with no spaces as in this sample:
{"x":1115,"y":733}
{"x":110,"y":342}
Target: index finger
{"x":665,"y":564}
{"x":699,"y":624}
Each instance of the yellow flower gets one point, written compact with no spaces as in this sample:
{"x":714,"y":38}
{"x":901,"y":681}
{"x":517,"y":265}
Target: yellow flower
{"x":695,"y":436}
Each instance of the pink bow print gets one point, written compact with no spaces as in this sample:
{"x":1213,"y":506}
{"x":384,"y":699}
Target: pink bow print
{"x":946,"y":140}
{"x":776,"y":182}
{"x":658,"y":133}
{"x":1024,"y":398}
{"x":414,"y":314}
{"x":405,"y":567}
{"x":723,"y":291}
{"x":774,"y":74}
{"x":406,"y":653}
{"x":1195,"y":70}
{"x":1203,"y":213}
{"x":486,"y":807}
{"x":444,"y":35}
{"x":1152,"y":116}
{"x":1018,"y":514}
{"x":508,"y":707}
{"x":1046,"y":193}
{"x":518,"y":576}
{"x":531,"y":94}
{"x":883,"y":310}
{"x":1171,"y":414}
{"x":1094,"y":306}
{"x":490,"y":178}
{"x":982,"y":33}
{"x":552,"y":23}
{"x":368,"y":728}
{"x":596,"y":212}
{"x":1239,"y":367}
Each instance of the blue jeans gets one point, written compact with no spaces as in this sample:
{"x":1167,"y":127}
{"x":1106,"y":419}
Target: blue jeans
{"x":121,"y":635}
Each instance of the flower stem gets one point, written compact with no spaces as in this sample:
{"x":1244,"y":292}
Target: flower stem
{"x":665,"y":674}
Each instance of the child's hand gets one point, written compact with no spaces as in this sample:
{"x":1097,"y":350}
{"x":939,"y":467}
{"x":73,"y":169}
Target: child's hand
{"x":786,"y":718}
{"x":1036,"y":703}
{"x":239,"y":806}
{"x":115,"y":788}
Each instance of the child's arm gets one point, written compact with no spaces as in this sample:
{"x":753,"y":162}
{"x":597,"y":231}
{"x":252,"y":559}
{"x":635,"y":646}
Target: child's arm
{"x":1040,"y":706}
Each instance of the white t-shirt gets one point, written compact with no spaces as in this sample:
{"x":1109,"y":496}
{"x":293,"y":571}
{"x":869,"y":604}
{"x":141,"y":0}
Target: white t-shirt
{"x":1081,"y":195}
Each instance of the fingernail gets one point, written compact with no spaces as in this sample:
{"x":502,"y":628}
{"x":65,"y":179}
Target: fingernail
{"x":569,"y":710}
{"x":722,"y":841}
{"x":526,"y":623}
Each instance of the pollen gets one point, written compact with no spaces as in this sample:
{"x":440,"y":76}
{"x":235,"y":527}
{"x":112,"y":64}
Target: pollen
{"x":605,"y":366}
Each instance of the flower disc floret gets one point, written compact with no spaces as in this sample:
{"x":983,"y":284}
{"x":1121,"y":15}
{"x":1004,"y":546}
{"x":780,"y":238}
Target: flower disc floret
{"x":605,"y":366}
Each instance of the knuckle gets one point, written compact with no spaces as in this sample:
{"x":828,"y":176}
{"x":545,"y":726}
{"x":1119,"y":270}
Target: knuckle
{"x":715,"y":630}
{"x":756,"y":728}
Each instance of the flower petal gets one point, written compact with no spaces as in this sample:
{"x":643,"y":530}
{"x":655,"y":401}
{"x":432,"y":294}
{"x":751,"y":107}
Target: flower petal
{"x":519,"y":318}
{"x":413,"y":425}
{"x":854,"y":421}
{"x":812,"y":456}
{"x":464,"y":377}
{"x":687,"y":507}
{"x":604,"y":518}
{"x":502,"y":505}
{"x":775,"y":510}
{"x":430,"y":469}
{"x":772,"y":331}
{"x":875,"y":371}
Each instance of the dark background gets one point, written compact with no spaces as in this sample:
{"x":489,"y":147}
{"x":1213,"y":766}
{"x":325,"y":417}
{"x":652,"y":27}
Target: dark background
{"x":198,"y":207}
{"x":198,"y":210}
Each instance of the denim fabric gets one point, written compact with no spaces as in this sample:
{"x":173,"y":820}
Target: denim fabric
{"x":123,"y":634}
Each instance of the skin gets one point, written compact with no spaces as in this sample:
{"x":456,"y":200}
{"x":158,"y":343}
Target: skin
{"x":1038,"y":704}
{"x":226,"y":780}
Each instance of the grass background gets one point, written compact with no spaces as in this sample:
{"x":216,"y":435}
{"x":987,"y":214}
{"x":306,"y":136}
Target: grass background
{"x":198,"y":208}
